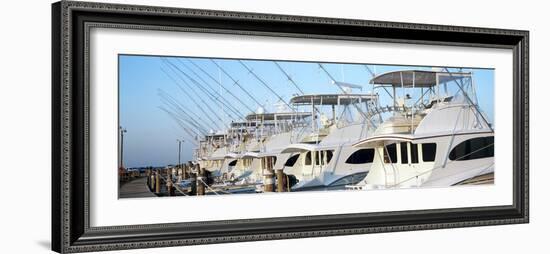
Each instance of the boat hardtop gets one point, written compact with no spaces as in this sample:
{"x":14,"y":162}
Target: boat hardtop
{"x":331,"y":99}
{"x":417,"y":78}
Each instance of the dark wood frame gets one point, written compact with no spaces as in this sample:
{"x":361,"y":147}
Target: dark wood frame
{"x":71,"y":22}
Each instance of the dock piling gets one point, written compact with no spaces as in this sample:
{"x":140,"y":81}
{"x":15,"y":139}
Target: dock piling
{"x":157,"y":182}
{"x":148,"y":175}
{"x":170,"y":186}
{"x":268,"y":175}
{"x":280,"y":182}
{"x":200,"y":180}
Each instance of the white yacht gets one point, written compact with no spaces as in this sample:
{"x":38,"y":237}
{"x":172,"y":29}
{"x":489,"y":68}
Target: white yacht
{"x":266,"y":135}
{"x":326,"y":158}
{"x":211,"y":152}
{"x":440,"y":139}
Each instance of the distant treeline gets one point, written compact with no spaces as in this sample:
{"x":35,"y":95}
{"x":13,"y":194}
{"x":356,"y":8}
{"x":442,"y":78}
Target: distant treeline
{"x":143,"y":169}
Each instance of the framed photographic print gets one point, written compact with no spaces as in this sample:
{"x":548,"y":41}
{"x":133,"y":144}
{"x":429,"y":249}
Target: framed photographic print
{"x":225,"y":126}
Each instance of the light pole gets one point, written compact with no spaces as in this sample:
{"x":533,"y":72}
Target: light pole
{"x":122,"y":131}
{"x":179,"y":151}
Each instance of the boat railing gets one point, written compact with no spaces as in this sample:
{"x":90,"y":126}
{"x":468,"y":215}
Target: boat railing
{"x":400,"y":109}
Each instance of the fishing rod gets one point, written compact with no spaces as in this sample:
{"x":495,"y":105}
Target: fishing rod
{"x":178,"y":72}
{"x":187,"y":94}
{"x":213,"y":93}
{"x":344,"y":91}
{"x":183,"y":115}
{"x":179,"y":108}
{"x":476,"y":107}
{"x":197,"y":94}
{"x":315,"y":109}
{"x":189,"y":132}
{"x":175,"y":105}
{"x":237,"y":83}
{"x":189,"y":127}
{"x":204,"y":90}
{"x":219,"y":83}
{"x":178,"y":121}
{"x":264,"y":83}
{"x":374,"y":75}
{"x":288,"y":77}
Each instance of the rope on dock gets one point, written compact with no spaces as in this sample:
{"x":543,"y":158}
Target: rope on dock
{"x":180,"y":191}
{"x":207,"y":186}
{"x":177,"y":187}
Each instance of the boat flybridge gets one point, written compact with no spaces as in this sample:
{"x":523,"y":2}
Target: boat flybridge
{"x":325,"y":158}
{"x":439,"y":138}
{"x":211,"y":152}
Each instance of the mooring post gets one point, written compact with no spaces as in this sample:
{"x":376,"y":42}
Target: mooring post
{"x":152,"y":180}
{"x":147,"y":174}
{"x":174,"y":173}
{"x":268,"y":175}
{"x":184,"y":175}
{"x":280,"y":182}
{"x":170,"y":187}
{"x":180,"y":173}
{"x":200,"y":180}
{"x":157,"y":182}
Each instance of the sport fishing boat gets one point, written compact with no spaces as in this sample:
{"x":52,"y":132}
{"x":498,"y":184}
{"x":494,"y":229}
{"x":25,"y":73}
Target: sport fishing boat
{"x":442,"y":138}
{"x":272,"y":132}
{"x":212,"y":152}
{"x":329,"y":161}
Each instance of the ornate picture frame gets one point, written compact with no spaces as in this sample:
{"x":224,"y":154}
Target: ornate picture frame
{"x":71,"y":229}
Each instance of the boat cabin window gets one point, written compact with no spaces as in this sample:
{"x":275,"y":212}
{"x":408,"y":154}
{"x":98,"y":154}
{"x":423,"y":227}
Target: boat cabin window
{"x":323,"y":157}
{"x":361,"y":156}
{"x":233,"y":163}
{"x":390,"y":154}
{"x":308,"y":158}
{"x":433,"y":102}
{"x":273,"y":160}
{"x":475,"y":148}
{"x":404,"y":155}
{"x":318,"y":158}
{"x":428,"y":152}
{"x":292,"y":160}
{"x":328,"y":155}
{"x":414,"y":153}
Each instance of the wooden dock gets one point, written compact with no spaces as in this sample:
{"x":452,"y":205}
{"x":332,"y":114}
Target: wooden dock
{"x":136,"y":188}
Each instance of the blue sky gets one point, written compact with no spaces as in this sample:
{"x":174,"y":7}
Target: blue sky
{"x":146,"y":82}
